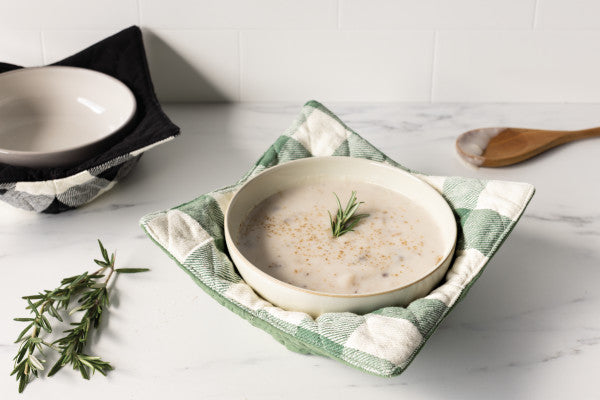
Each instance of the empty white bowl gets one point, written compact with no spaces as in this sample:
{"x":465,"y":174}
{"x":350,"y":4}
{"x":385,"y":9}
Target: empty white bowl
{"x":59,"y":116}
{"x":316,"y":169}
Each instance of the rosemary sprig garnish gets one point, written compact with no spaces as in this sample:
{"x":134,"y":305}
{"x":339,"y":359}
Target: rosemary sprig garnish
{"x":90,"y":293}
{"x":346,"y":218}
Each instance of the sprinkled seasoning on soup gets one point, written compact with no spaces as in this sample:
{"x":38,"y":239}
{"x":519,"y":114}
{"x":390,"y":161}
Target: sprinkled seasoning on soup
{"x":288,"y":236}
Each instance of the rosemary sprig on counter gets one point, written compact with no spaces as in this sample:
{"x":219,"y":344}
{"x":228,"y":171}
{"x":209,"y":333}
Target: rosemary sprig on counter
{"x":89,"y":293}
{"x":346,"y":218}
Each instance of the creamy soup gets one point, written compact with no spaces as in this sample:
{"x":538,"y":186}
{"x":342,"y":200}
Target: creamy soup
{"x":289,"y":236}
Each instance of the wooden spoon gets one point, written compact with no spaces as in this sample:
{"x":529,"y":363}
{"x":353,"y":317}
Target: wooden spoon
{"x":497,"y":147}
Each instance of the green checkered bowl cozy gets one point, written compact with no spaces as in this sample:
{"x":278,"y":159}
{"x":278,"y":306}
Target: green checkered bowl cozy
{"x":382,"y":342}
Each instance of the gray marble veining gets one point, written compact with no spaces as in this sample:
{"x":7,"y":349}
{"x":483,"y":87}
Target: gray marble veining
{"x":528,"y":329}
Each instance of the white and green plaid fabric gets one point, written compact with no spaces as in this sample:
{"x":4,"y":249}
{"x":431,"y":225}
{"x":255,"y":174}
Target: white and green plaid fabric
{"x":383,"y":342}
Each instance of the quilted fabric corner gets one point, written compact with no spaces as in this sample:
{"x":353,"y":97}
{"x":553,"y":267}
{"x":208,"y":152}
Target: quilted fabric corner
{"x":385,"y":341}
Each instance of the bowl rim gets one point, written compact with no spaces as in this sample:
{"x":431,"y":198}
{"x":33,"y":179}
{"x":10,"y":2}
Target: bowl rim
{"x":289,"y":164}
{"x":128,"y":92}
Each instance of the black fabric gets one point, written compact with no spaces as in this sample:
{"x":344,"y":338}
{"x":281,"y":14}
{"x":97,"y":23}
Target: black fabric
{"x":57,"y":207}
{"x":123,"y":57}
{"x":110,"y":174}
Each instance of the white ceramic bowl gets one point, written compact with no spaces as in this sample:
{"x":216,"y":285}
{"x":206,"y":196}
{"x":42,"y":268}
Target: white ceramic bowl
{"x":59,"y":116}
{"x":313,"y":169}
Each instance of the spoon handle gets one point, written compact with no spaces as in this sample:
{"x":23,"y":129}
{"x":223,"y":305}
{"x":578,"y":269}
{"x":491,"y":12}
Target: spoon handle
{"x":561,"y":137}
{"x":584,"y":133}
{"x":550,"y":138}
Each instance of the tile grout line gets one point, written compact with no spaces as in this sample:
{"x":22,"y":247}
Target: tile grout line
{"x":43,"y":48}
{"x":139,"y":12}
{"x":433,"y":62}
{"x":535,"y":14}
{"x":239,"y":43}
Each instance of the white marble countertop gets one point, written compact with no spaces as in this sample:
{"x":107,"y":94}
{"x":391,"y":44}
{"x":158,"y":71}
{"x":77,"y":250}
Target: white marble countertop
{"x":528,"y":329}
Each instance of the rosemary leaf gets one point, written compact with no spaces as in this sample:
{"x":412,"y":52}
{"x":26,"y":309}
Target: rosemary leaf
{"x":346,"y":218}
{"x":131,"y":270}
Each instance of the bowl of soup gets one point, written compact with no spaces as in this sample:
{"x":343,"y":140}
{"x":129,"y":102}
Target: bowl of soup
{"x":279,"y":231}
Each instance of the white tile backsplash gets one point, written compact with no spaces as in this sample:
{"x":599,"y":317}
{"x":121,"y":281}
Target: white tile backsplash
{"x":568,"y":14}
{"x":21,"y":47}
{"x":437,"y":14}
{"x":333,"y":66}
{"x":68,"y":14}
{"x":343,"y":50}
{"x":520,"y":66}
{"x":61,"y":44}
{"x":239,"y":14}
{"x":194,"y":65}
